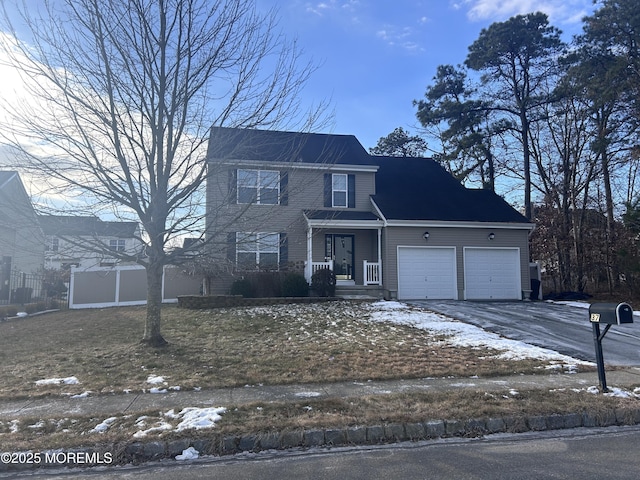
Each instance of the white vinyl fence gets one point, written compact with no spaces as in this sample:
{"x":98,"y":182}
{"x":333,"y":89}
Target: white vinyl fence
{"x":100,"y":287}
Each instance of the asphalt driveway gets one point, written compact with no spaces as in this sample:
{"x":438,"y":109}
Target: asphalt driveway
{"x":563,"y":328}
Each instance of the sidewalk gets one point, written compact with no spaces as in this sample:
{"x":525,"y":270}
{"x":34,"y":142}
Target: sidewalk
{"x":214,"y":444}
{"x":107,"y":405}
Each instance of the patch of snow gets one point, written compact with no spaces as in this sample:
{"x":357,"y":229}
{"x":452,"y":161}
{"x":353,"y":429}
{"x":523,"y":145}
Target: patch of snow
{"x":198,"y":418}
{"x":160,"y":427}
{"x":157,"y":390}
{"x":22,"y":314}
{"x":58,"y":381}
{"x":462,"y":334}
{"x":14,"y":428}
{"x":155,"y":379}
{"x":308,"y":394}
{"x":618,"y":392}
{"x":104,"y":426}
{"x":81,"y":395}
{"x":175,"y":388}
{"x":188,"y":454}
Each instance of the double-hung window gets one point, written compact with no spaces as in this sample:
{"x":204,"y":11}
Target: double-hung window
{"x":257,"y":251}
{"x":52,"y":245}
{"x":261,"y":187}
{"x":339,"y":189}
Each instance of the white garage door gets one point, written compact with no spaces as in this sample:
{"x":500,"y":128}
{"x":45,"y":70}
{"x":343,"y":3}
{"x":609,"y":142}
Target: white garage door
{"x":427,"y":272}
{"x":492,"y":274}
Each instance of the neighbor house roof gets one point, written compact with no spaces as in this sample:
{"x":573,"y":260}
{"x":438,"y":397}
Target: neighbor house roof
{"x":275,"y":146}
{"x":64,"y":225}
{"x":421,"y":189}
{"x":5,"y":177}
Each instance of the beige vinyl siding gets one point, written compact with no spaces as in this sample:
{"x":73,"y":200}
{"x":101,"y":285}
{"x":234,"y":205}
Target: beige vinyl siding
{"x":451,"y":237}
{"x":305,"y":192}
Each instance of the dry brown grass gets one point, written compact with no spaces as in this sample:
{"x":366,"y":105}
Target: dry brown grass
{"x":38,"y":434}
{"x":232,"y":347}
{"x":275,"y":345}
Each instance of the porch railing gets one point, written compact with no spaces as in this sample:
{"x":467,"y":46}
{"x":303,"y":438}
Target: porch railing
{"x":371,"y":273}
{"x":315,"y":266}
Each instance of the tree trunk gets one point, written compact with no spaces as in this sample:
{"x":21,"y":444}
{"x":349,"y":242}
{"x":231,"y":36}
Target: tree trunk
{"x":152,"y":335}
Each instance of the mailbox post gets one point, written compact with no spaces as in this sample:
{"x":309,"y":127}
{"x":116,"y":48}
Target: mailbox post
{"x":608,"y":314}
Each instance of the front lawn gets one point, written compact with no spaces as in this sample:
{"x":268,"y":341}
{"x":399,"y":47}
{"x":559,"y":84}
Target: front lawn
{"x":97,"y":351}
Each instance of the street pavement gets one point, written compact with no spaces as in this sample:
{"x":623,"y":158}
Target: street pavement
{"x":567,"y":454}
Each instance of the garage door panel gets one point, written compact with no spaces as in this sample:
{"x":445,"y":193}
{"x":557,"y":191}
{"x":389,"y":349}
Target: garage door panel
{"x":426,"y":273}
{"x":492,"y":274}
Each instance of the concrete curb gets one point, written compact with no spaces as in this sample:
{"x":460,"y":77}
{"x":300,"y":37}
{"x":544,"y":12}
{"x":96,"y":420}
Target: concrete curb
{"x":219,"y":445}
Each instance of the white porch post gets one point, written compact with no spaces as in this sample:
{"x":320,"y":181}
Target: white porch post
{"x":308,"y":266}
{"x":380,"y":254}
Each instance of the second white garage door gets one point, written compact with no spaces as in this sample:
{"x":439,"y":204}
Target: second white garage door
{"x":492,"y":274}
{"x":427,"y":272}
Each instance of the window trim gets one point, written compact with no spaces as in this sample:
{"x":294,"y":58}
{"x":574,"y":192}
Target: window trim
{"x":257,"y":186}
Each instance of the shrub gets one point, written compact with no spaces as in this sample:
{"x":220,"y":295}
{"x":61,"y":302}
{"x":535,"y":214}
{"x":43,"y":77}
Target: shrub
{"x":294,"y":285}
{"x":266,"y":284}
{"x":323,"y":283}
{"x":243,"y":287}
{"x":8,"y":311}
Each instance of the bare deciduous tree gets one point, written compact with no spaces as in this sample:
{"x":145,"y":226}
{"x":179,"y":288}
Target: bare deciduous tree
{"x":125,"y":94}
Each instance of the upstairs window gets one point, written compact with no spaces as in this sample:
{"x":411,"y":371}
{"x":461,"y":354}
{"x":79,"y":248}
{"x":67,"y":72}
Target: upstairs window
{"x":117,"y":245}
{"x":52,"y":245}
{"x":339,"y":190}
{"x":261,"y":187}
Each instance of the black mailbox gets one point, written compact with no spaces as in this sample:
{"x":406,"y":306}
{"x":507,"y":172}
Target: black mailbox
{"x":610,"y":313}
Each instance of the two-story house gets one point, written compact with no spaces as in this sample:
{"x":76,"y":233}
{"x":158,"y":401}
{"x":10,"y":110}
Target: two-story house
{"x":87,"y":241}
{"x":301,"y":200}
{"x":21,"y":239}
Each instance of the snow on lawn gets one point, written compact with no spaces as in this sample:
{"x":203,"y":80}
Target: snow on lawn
{"x":155,"y":379}
{"x":189,"y":418}
{"x":58,"y":381}
{"x":463,"y":334}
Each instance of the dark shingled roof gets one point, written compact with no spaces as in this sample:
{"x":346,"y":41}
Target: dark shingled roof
{"x":274,"y":146}
{"x":406,"y":188}
{"x":420,"y":189}
{"x":73,"y":226}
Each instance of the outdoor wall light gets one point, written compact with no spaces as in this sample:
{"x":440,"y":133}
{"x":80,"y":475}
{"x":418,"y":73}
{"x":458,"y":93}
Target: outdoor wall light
{"x":491,"y":236}
{"x":426,"y":235}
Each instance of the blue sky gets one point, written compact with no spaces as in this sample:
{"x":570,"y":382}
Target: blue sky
{"x":377,"y":56}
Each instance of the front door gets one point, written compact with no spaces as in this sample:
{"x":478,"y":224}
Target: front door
{"x":339,"y":248}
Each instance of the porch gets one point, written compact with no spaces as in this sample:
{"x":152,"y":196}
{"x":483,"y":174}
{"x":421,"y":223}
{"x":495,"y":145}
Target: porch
{"x":372,"y":272}
{"x":347,"y":243}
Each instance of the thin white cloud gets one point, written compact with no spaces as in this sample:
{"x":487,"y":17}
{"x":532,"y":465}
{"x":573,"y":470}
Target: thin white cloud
{"x":332,"y":6}
{"x":559,"y":11}
{"x":402,"y":37}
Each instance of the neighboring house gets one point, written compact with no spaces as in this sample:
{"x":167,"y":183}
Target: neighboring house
{"x":87,"y":241}
{"x":283,"y":200}
{"x":21,"y":239}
